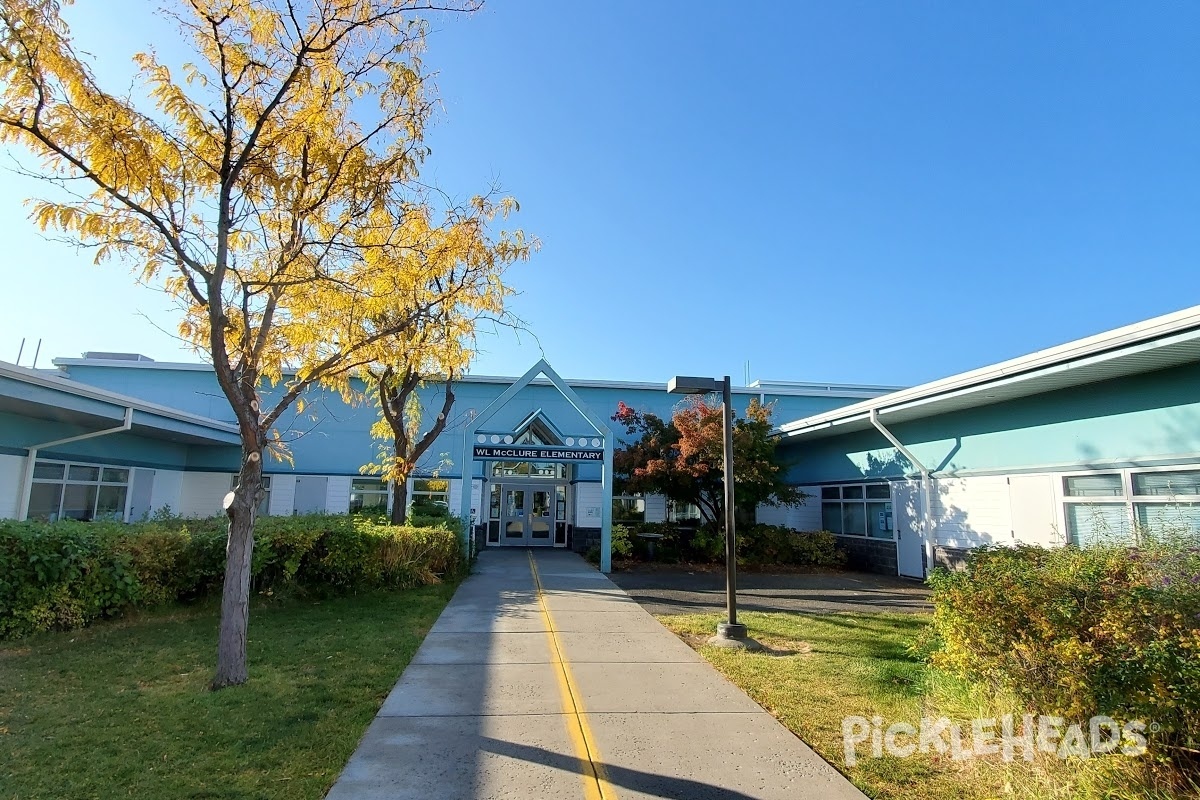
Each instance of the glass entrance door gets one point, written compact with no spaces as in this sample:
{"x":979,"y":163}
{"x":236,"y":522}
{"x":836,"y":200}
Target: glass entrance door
{"x":527,"y":516}
{"x":541,"y":517}
{"x":513,"y":523}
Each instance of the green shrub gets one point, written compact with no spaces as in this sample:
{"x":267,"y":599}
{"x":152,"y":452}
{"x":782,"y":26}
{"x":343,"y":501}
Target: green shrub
{"x":622,"y":541}
{"x":764,"y":545}
{"x":445,"y":522}
{"x":436,"y":509}
{"x":66,"y":574}
{"x":1079,"y":632}
{"x":62,"y":577}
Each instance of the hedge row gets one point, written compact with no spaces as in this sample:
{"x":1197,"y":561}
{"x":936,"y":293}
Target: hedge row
{"x":1080,"y":632}
{"x":758,"y":545}
{"x":65,"y":574}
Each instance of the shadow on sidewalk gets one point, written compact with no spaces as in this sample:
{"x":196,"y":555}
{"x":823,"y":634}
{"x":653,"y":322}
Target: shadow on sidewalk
{"x":664,"y":786}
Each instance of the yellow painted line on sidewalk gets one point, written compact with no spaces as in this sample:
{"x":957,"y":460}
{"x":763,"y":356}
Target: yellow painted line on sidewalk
{"x":595,"y":783}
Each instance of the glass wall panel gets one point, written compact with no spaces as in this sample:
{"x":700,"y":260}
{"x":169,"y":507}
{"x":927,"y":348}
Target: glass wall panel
{"x":1168,"y":520}
{"x":628,"y":509}
{"x":1167,"y":483}
{"x":854,"y":519}
{"x":831,"y":517}
{"x":49,"y":470}
{"x":79,"y":501}
{"x":45,"y":501}
{"x":78,"y":472}
{"x":368,"y":495}
{"x":114,"y":475}
{"x":1094,"y":486}
{"x":1098,"y":523}
{"x":879,"y":521}
{"x":110,"y":503}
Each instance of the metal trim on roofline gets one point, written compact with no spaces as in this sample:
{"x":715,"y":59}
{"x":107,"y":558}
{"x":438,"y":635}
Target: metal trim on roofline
{"x":1011,"y":371}
{"x":782,"y":388}
{"x":69,"y":386}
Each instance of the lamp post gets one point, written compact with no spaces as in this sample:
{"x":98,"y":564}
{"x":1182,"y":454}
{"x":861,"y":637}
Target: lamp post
{"x":730,"y":633}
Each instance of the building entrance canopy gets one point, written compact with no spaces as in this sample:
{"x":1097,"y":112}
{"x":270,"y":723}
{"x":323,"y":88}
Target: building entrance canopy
{"x":594,"y":447}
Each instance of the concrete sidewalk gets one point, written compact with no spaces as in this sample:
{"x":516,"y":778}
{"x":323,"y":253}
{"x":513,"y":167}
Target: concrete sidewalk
{"x":542,"y":679}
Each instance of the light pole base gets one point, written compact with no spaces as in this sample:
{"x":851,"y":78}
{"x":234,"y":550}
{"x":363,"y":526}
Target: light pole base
{"x":733,"y":637}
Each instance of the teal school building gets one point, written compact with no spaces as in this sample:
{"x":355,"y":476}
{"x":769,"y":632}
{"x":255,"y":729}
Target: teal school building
{"x":1099,"y":437}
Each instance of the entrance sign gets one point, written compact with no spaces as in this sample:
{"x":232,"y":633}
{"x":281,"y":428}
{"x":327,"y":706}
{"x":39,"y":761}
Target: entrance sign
{"x":536,"y":453}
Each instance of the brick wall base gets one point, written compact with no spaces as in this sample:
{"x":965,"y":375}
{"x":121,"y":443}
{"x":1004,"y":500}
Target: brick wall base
{"x":869,"y":555}
{"x":583,"y":539}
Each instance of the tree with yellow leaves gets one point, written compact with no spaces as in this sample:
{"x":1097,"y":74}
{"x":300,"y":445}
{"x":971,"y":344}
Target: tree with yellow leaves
{"x":273,"y":192}
{"x":393,"y":386}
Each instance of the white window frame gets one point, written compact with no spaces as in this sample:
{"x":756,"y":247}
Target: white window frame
{"x":66,"y":481}
{"x":1128,"y":499}
{"x":863,"y":501}
{"x":414,"y":492}
{"x":639,"y":502}
{"x":384,"y":490}
{"x":682,"y":512}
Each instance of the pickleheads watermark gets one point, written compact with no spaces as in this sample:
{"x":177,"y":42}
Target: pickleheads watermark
{"x":1005,"y":736}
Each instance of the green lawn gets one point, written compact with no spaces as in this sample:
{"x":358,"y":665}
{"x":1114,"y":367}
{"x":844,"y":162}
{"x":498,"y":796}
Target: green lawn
{"x":819,"y":669}
{"x":122,"y":710}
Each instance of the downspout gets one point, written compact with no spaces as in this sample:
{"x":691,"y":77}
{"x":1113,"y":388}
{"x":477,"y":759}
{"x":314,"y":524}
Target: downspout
{"x":930,"y":528}
{"x":31,"y":459}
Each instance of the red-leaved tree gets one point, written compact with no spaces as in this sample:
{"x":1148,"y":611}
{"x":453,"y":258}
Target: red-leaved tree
{"x":684,"y":459}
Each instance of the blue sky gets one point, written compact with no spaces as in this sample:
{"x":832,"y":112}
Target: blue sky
{"x":855,"y":192}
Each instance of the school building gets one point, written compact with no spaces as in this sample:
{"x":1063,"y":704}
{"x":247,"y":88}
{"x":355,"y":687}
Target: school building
{"x":1097,"y":437}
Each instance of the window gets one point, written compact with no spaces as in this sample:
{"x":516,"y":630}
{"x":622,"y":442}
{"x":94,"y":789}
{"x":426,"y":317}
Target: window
{"x":628,"y":508}
{"x":1167,"y":503}
{"x":682,"y":512}
{"x":368,"y":496}
{"x":1094,"y":486}
{"x":430,"y":492}
{"x":265,"y":503}
{"x":530,"y":469}
{"x":1126,"y":506}
{"x":78,"y":491}
{"x":858,"y":510}
{"x":1102,"y":515}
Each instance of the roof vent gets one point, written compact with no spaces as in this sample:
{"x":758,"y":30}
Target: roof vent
{"x":97,"y":355}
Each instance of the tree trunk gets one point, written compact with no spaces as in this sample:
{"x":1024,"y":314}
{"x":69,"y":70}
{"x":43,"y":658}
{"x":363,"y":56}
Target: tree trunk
{"x":235,"y":595}
{"x":400,"y":501}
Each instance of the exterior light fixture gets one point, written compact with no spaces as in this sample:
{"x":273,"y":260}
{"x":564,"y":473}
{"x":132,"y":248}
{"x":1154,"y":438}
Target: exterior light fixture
{"x":729,"y":633}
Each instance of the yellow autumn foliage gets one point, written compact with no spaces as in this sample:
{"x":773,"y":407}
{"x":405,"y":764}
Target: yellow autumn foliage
{"x":274,"y":190}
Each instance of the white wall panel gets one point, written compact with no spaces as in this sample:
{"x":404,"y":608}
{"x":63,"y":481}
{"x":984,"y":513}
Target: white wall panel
{"x":167,"y":491}
{"x":12,"y":474}
{"x":337,"y":496}
{"x":1034,"y":509}
{"x":772,"y":515}
{"x":806,"y":517}
{"x":970,"y":512}
{"x":282,"y":502}
{"x":589,"y":500}
{"x":202,"y":493}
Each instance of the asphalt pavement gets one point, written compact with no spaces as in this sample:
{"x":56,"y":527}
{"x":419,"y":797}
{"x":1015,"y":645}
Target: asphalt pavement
{"x":670,"y":589}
